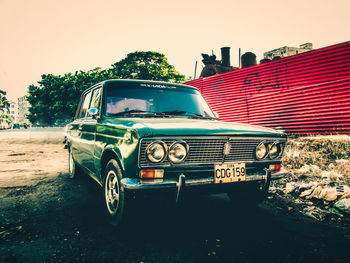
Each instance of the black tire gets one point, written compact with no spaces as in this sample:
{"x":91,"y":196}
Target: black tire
{"x":73,"y":169}
{"x":113,"y":193}
{"x":247,"y":196}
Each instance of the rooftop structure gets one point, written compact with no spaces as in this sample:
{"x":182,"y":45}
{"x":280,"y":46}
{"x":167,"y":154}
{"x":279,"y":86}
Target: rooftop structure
{"x":287,"y":51}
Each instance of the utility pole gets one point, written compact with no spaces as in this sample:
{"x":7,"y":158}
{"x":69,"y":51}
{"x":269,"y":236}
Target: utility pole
{"x":195,"y":71}
{"x":239,"y":58}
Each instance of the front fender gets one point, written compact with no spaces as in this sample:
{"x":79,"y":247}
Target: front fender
{"x":124,"y":150}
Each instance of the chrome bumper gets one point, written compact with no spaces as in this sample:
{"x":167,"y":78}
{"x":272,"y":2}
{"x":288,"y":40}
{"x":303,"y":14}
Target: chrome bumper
{"x":182,"y":182}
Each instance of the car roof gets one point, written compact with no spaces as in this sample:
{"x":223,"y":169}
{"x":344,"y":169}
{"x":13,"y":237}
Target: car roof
{"x":138,"y":81}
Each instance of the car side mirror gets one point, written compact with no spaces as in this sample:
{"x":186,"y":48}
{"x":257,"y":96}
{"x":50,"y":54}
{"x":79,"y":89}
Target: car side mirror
{"x":216,"y":115}
{"x":94,"y":112}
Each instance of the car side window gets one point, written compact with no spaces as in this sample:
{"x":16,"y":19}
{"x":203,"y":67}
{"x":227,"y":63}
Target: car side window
{"x":95,"y":100}
{"x":85,"y":105}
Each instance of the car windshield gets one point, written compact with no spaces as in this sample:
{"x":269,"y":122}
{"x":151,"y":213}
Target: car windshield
{"x":156,"y":101}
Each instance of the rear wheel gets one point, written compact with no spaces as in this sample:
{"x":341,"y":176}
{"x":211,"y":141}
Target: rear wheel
{"x":113,"y":192}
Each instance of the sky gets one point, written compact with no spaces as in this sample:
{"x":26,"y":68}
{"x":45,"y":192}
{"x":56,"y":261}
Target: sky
{"x":57,"y":37}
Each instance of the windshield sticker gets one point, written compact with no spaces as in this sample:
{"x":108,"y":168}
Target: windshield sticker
{"x":157,"y":86}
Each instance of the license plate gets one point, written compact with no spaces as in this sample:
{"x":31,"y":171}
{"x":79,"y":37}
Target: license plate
{"x":229,"y":172}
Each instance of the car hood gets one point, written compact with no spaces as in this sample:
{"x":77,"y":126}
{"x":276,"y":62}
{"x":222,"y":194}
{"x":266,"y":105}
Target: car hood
{"x":149,"y":127}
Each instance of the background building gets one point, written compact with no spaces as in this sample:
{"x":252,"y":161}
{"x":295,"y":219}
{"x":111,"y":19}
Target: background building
{"x":8,"y":115}
{"x":22,"y":111}
{"x":13,"y":110}
{"x":287,"y":51}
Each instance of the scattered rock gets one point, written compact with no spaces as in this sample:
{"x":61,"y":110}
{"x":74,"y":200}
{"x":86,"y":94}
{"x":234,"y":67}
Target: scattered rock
{"x":306,"y":193}
{"x":276,"y":190}
{"x":316,"y":192}
{"x":329,"y":194}
{"x":308,"y":168}
{"x":290,"y":187}
{"x":344,"y":190}
{"x":314,"y":212}
{"x":323,"y":192}
{"x":292,"y":153}
{"x":298,"y":201}
{"x":307,"y":186}
{"x":334,"y":212}
{"x":342,"y":161}
{"x":331,"y":176}
{"x":346,"y":195}
{"x":343,"y":205}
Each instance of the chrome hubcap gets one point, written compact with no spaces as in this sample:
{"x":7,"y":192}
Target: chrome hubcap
{"x":71,"y":163}
{"x":112,"y":192}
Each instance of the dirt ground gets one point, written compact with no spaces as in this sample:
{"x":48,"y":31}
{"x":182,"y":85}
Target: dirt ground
{"x":27,"y":162}
{"x":47,"y":217}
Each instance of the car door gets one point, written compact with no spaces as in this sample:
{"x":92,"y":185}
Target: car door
{"x":88,"y":130}
{"x":75,"y":129}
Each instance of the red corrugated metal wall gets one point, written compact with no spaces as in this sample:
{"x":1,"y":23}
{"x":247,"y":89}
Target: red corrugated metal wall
{"x":303,"y":94}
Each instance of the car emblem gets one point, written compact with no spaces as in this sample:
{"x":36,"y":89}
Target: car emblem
{"x":227,"y":148}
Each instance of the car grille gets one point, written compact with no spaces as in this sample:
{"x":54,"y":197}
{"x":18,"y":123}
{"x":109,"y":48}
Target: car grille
{"x":208,"y":150}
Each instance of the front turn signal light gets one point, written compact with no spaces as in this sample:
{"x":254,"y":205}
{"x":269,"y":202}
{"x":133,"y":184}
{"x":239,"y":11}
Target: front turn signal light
{"x":275,"y":167}
{"x":151,"y":173}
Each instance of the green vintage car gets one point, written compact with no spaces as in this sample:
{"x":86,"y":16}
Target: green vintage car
{"x":133,"y":135}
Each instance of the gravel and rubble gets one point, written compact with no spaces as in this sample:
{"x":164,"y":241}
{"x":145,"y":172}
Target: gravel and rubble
{"x":319,"y":181}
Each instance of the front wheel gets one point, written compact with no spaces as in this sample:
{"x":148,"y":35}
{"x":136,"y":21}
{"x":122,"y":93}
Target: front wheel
{"x":73,"y":169}
{"x":113,"y":192}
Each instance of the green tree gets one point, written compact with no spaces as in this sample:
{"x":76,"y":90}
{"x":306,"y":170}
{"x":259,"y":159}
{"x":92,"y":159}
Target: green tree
{"x":4,"y":105}
{"x":6,"y":116}
{"x":146,"y":65}
{"x":3,"y":101}
{"x":54,"y":99}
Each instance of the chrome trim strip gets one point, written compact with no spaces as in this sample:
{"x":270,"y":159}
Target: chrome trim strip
{"x":85,"y":132}
{"x":214,"y":137}
{"x":137,"y":184}
{"x":196,"y":165}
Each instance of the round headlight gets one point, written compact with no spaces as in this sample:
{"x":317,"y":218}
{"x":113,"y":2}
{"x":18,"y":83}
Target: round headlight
{"x":261,"y":151}
{"x":275,"y":150}
{"x":155,"y":152}
{"x":178,"y":152}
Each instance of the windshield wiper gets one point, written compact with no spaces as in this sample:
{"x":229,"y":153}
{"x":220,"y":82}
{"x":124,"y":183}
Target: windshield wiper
{"x":141,"y":112}
{"x":186,"y":113}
